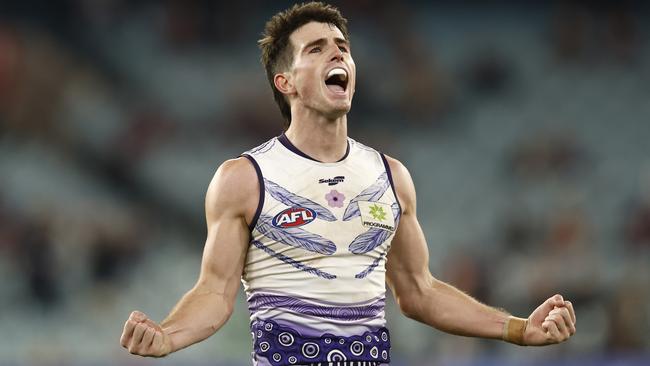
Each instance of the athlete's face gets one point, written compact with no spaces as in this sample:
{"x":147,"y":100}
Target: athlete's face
{"x":323,"y":72}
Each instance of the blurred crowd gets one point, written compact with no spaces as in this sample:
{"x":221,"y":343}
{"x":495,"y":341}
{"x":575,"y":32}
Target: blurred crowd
{"x":525,"y":128}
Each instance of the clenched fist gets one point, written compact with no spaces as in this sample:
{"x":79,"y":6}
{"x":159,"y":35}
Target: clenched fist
{"x":552,"y":322}
{"x":142,"y":336}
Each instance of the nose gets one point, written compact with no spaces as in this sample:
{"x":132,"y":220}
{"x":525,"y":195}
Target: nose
{"x":337,"y":55}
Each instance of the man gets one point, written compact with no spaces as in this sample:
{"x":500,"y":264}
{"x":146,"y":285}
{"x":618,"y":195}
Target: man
{"x":306,"y":221}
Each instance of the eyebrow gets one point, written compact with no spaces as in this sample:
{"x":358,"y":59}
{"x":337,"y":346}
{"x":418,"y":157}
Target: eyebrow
{"x":322,"y":41}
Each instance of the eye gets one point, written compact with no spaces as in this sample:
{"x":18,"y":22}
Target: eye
{"x":343,"y":49}
{"x":314,"y":50}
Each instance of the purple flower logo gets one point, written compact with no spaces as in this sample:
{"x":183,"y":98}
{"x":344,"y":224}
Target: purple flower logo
{"x":334,"y":198}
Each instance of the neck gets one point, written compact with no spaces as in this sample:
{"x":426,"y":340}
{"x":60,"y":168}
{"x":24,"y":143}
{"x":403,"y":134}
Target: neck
{"x":323,"y":139}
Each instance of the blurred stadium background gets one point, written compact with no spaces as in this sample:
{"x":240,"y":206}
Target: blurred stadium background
{"x":525,"y":125}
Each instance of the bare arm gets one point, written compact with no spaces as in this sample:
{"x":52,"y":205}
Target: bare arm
{"x":442,"y":306}
{"x":230,"y":204}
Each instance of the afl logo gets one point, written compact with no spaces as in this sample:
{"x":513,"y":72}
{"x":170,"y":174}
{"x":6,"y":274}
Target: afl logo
{"x":294,"y":217}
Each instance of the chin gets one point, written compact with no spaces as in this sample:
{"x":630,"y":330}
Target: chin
{"x":339,"y":111}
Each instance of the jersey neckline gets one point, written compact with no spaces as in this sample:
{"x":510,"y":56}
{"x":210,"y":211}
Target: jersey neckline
{"x":284,"y":140}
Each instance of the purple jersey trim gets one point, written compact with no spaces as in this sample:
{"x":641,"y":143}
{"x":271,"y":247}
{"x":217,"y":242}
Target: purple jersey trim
{"x":299,"y":306}
{"x":390,"y":179}
{"x":281,"y":345}
{"x":286,"y":143}
{"x":260,"y":202}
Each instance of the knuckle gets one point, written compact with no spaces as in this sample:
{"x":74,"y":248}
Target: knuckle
{"x":555,"y":312}
{"x":548,"y":335}
{"x":149,"y":336}
{"x":154,"y":350}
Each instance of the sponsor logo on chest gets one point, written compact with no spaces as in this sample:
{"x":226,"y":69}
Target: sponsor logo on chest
{"x":294,"y":217}
{"x":332,"y":181}
{"x":376,"y":215}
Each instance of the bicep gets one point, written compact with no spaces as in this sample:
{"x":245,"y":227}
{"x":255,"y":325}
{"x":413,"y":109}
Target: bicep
{"x":223,"y":255}
{"x":228,"y":205}
{"x":407,"y":266}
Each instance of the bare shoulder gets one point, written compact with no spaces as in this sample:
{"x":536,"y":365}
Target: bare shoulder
{"x":403,"y":183}
{"x":398,"y":170}
{"x":234,"y":188}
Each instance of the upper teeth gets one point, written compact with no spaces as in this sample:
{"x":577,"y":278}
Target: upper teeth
{"x":338,"y":71}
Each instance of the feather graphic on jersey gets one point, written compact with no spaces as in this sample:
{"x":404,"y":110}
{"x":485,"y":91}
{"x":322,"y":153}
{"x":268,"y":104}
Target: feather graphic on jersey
{"x":368,"y":241}
{"x":292,"y":200}
{"x":371,"y":194}
{"x":295,"y":237}
{"x":374,"y":237}
{"x":371,"y":267}
{"x":396,"y":213}
{"x":293,"y":262}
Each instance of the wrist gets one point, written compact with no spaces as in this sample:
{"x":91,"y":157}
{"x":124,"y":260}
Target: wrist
{"x":514,"y":329}
{"x":167,"y":346}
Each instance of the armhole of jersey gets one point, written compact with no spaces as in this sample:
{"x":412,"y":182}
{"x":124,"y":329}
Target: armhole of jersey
{"x":260,"y":203}
{"x":390,"y":179}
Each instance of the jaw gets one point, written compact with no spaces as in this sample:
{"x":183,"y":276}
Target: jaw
{"x":337,"y":104}
{"x":323,"y":102}
{"x":330,"y":109}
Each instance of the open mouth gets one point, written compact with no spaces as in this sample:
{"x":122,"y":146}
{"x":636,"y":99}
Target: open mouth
{"x":337,"y":80}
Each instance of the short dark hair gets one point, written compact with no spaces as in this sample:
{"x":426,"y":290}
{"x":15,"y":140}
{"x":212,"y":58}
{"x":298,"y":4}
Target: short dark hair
{"x":277,"y":51}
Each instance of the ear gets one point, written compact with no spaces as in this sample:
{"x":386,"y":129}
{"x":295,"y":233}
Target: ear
{"x":283,"y":83}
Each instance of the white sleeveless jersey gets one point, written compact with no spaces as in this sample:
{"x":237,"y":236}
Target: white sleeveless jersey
{"x":315,"y":271}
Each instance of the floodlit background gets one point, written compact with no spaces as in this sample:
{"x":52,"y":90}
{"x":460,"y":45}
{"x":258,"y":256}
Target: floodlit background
{"x":525,"y":125}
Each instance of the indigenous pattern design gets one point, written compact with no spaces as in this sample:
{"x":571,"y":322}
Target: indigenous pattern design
{"x":301,"y":266}
{"x":314,"y":272}
{"x":282,"y":345}
{"x":261,"y":301}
